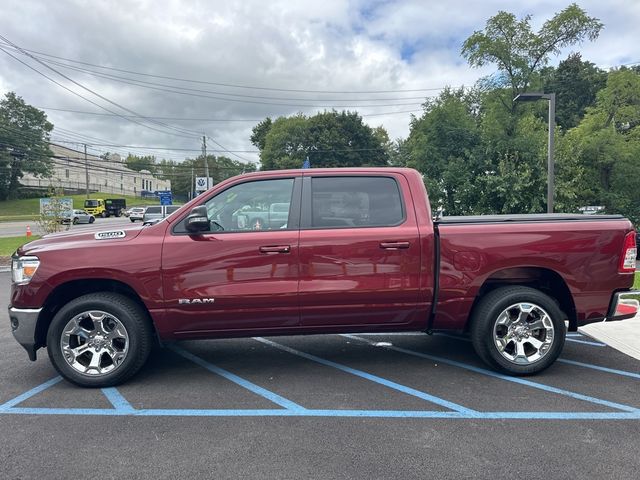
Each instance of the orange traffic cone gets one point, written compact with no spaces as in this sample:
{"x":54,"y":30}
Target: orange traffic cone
{"x":28,"y":231}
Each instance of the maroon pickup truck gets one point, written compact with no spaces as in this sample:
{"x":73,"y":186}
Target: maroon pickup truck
{"x":319,"y":251}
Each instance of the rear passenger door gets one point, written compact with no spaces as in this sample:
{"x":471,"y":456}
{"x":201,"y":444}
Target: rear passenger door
{"x":359,"y":251}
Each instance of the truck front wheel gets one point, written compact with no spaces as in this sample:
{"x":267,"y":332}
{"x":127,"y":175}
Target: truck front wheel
{"x":99,"y":340}
{"x":518,"y":330}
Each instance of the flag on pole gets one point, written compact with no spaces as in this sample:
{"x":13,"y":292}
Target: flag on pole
{"x":307,"y":163}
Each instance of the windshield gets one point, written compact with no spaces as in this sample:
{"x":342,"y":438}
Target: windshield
{"x":90,"y":203}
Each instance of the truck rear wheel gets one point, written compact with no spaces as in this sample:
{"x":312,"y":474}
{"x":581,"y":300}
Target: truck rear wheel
{"x":99,"y":340}
{"x":518,"y":330}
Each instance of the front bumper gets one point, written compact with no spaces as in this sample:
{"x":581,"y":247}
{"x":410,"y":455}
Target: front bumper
{"x":624,"y":305}
{"x":23,"y":325}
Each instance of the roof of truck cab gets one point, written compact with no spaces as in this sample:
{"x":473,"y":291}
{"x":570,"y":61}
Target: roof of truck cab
{"x":341,"y":170}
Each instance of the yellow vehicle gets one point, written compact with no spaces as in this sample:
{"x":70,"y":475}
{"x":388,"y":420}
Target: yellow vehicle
{"x":99,"y":207}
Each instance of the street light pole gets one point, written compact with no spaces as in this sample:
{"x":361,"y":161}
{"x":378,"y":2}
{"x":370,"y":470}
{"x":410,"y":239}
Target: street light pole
{"x":550,"y":151}
{"x":551,"y":97}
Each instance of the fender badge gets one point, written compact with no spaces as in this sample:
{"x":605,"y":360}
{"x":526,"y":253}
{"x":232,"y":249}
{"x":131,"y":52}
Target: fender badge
{"x":108,"y":235}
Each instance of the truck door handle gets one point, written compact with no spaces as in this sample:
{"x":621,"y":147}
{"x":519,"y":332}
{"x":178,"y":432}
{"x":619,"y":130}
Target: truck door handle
{"x":275,"y":249}
{"x":394,"y":245}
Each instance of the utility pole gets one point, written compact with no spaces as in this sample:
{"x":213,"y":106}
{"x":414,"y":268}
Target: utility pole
{"x":86,"y":169}
{"x":192,"y":180}
{"x":206,"y":163}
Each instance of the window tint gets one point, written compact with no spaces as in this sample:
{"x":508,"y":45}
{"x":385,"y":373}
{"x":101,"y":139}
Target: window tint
{"x":355,"y":202}
{"x":154,"y":210}
{"x":260,"y":205}
{"x":172,"y":208}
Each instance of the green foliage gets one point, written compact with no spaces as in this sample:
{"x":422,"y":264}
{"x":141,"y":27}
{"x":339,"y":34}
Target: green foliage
{"x":443,"y":144}
{"x":329,"y":139}
{"x":607,"y":145}
{"x":180,"y":174}
{"x":575,"y":83}
{"x":24,"y":136}
{"x":139,"y":163}
{"x":519,"y":52}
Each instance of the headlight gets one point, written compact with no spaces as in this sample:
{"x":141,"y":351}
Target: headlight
{"x":23,"y":269}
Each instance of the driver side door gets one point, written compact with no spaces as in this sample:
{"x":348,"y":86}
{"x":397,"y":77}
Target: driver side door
{"x":242,"y":274}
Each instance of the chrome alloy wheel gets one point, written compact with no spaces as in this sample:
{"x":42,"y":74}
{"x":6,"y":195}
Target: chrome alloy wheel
{"x":523,"y":333}
{"x":94,"y":343}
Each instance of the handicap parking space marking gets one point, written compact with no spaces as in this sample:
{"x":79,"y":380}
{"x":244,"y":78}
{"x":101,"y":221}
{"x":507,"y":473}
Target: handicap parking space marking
{"x":121,"y":407}
{"x":263,"y":392}
{"x":373,"y":378}
{"x":28,"y":394}
{"x":521,"y":381}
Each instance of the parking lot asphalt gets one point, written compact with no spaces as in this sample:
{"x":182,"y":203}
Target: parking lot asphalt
{"x":334,"y":406}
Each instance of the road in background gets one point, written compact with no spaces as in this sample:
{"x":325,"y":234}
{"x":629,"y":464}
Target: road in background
{"x":16,"y":229}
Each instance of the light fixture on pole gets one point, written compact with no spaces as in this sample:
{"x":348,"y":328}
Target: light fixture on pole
{"x":532,"y":97}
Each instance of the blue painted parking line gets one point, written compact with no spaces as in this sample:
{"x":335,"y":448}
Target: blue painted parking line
{"x":373,"y":378}
{"x":329,"y":413}
{"x":601,"y":368}
{"x":263,"y":392}
{"x":561,"y":360}
{"x":121,"y":407}
{"x":466,"y":339}
{"x":116,"y":399}
{"x":30,"y":393}
{"x":521,"y":381}
{"x":585,"y":342}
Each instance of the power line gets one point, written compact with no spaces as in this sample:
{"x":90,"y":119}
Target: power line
{"x":225,"y":94}
{"x":230,"y":85}
{"x":187,"y":119}
{"x":84,"y":98}
{"x":176,"y":90}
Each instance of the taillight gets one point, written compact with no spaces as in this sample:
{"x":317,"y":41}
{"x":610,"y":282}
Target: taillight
{"x":628,"y":257}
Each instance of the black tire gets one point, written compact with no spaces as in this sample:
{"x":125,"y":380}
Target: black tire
{"x":92,"y":219}
{"x":485,"y":317}
{"x":133,"y":220}
{"x":104,"y":214}
{"x":75,"y":220}
{"x":128,"y":313}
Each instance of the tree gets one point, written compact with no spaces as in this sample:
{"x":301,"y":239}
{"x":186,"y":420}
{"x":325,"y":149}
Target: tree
{"x":443,"y":145}
{"x":328,"y":139}
{"x":575,"y":83}
{"x":139,"y":163}
{"x":519,"y":52}
{"x":607,"y":144}
{"x":24,"y":144}
{"x":180,"y":173}
{"x":259,"y":133}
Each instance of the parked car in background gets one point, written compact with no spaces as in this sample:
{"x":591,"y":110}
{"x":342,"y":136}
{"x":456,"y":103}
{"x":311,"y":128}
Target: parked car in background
{"x":158,"y":212}
{"x":136,"y":213}
{"x":77,"y":216}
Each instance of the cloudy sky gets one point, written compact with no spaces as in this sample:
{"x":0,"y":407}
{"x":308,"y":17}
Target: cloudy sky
{"x":246,"y":60}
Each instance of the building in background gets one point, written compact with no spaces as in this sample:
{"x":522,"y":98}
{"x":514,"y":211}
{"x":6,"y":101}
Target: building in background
{"x":108,"y":175}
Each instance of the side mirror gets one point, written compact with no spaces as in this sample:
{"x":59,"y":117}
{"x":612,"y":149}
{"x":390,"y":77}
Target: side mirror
{"x":197,"y":220}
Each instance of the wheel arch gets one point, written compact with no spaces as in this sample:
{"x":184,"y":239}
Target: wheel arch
{"x":543,"y":279}
{"x":70,"y":290}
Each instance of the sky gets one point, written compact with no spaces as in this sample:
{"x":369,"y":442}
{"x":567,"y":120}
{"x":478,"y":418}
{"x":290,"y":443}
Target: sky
{"x":217,"y":68}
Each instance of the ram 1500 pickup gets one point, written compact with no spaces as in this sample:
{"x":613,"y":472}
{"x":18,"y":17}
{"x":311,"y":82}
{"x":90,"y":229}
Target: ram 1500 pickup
{"x":356,"y":251}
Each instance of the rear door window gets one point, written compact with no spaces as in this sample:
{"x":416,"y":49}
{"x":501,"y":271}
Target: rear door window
{"x":358,"y":201}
